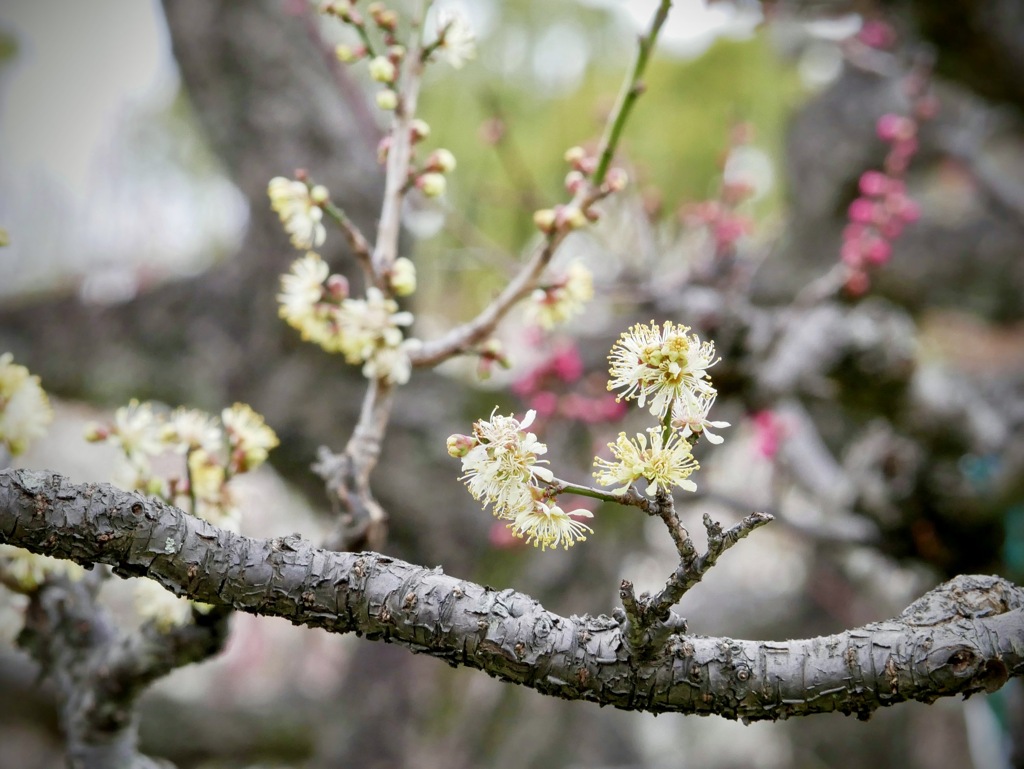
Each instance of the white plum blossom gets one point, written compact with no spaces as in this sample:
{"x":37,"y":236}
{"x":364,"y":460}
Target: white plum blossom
{"x":690,"y":416}
{"x":25,"y":410}
{"x":249,"y":437}
{"x":300,"y":215}
{"x":661,"y":364}
{"x":555,"y":304}
{"x":545,"y":524}
{"x":663,"y":463}
{"x":457,"y":40}
{"x":502,"y":467}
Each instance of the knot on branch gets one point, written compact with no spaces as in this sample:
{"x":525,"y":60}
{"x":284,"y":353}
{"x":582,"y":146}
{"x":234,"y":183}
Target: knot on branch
{"x":645,"y":626}
{"x":966,"y":596}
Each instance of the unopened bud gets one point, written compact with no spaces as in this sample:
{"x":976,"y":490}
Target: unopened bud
{"x":383,"y":70}
{"x":403,"y":276}
{"x":460,"y":445}
{"x":387,"y":99}
{"x":319,"y":195}
{"x":441,"y":160}
{"x":419,"y":129}
{"x":432,"y":184}
{"x":574,"y":180}
{"x":493,"y":350}
{"x":95,"y":432}
{"x":345,"y":53}
{"x":573,"y":217}
{"x":574,"y":155}
{"x":616,"y":179}
{"x":544,"y":219}
{"x":337,"y":287}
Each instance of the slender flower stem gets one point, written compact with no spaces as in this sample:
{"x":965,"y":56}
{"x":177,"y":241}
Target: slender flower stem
{"x":631,"y":497}
{"x":357,"y":242}
{"x":631,"y":90}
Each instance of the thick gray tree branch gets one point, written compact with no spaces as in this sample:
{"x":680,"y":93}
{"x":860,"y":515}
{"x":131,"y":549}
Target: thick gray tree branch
{"x":964,"y":636}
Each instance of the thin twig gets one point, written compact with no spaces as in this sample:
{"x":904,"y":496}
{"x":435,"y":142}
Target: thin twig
{"x":632,"y":88}
{"x":357,"y":242}
{"x":399,"y":153}
{"x":688,"y":574}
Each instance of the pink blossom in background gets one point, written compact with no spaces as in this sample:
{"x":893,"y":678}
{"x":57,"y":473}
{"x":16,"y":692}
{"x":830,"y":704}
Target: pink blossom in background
{"x":769,"y":432}
{"x":877,"y":34}
{"x":501,"y":537}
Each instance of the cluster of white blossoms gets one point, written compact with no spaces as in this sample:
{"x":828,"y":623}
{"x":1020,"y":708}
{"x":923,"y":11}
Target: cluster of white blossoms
{"x":25,"y":413}
{"x":299,"y":209}
{"x":366,"y":331}
{"x":215,"y":451}
{"x":664,"y":366}
{"x":563,"y":299}
{"x":501,"y":466}
{"x":25,"y":410}
{"x":667,"y":367}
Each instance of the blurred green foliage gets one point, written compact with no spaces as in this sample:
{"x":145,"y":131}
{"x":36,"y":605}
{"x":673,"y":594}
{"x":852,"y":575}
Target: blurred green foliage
{"x":674,"y":142}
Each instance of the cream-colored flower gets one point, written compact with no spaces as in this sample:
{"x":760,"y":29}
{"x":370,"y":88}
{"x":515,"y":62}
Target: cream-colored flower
{"x":25,"y":410}
{"x":661,"y":365}
{"x":563,"y":299}
{"x":457,"y":39}
{"x":503,"y":466}
{"x":366,"y":324}
{"x":211,"y":491}
{"x":249,"y":437}
{"x":302,"y":290}
{"x":547,"y":525}
{"x":690,"y":416}
{"x":301,"y":217}
{"x":663,"y":464}
{"x":136,"y":432}
{"x":188,"y":429}
{"x":392,"y":364}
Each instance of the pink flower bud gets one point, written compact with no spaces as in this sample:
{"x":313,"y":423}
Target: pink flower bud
{"x":460,"y":445}
{"x":873,"y":183}
{"x":616,"y":179}
{"x":337,"y":287}
{"x":862,"y":211}
{"x":893,"y":128}
{"x":878,"y":251}
{"x":574,"y":181}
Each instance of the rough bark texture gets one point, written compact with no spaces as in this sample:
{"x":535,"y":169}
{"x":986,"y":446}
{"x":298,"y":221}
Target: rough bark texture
{"x":963,"y":637}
